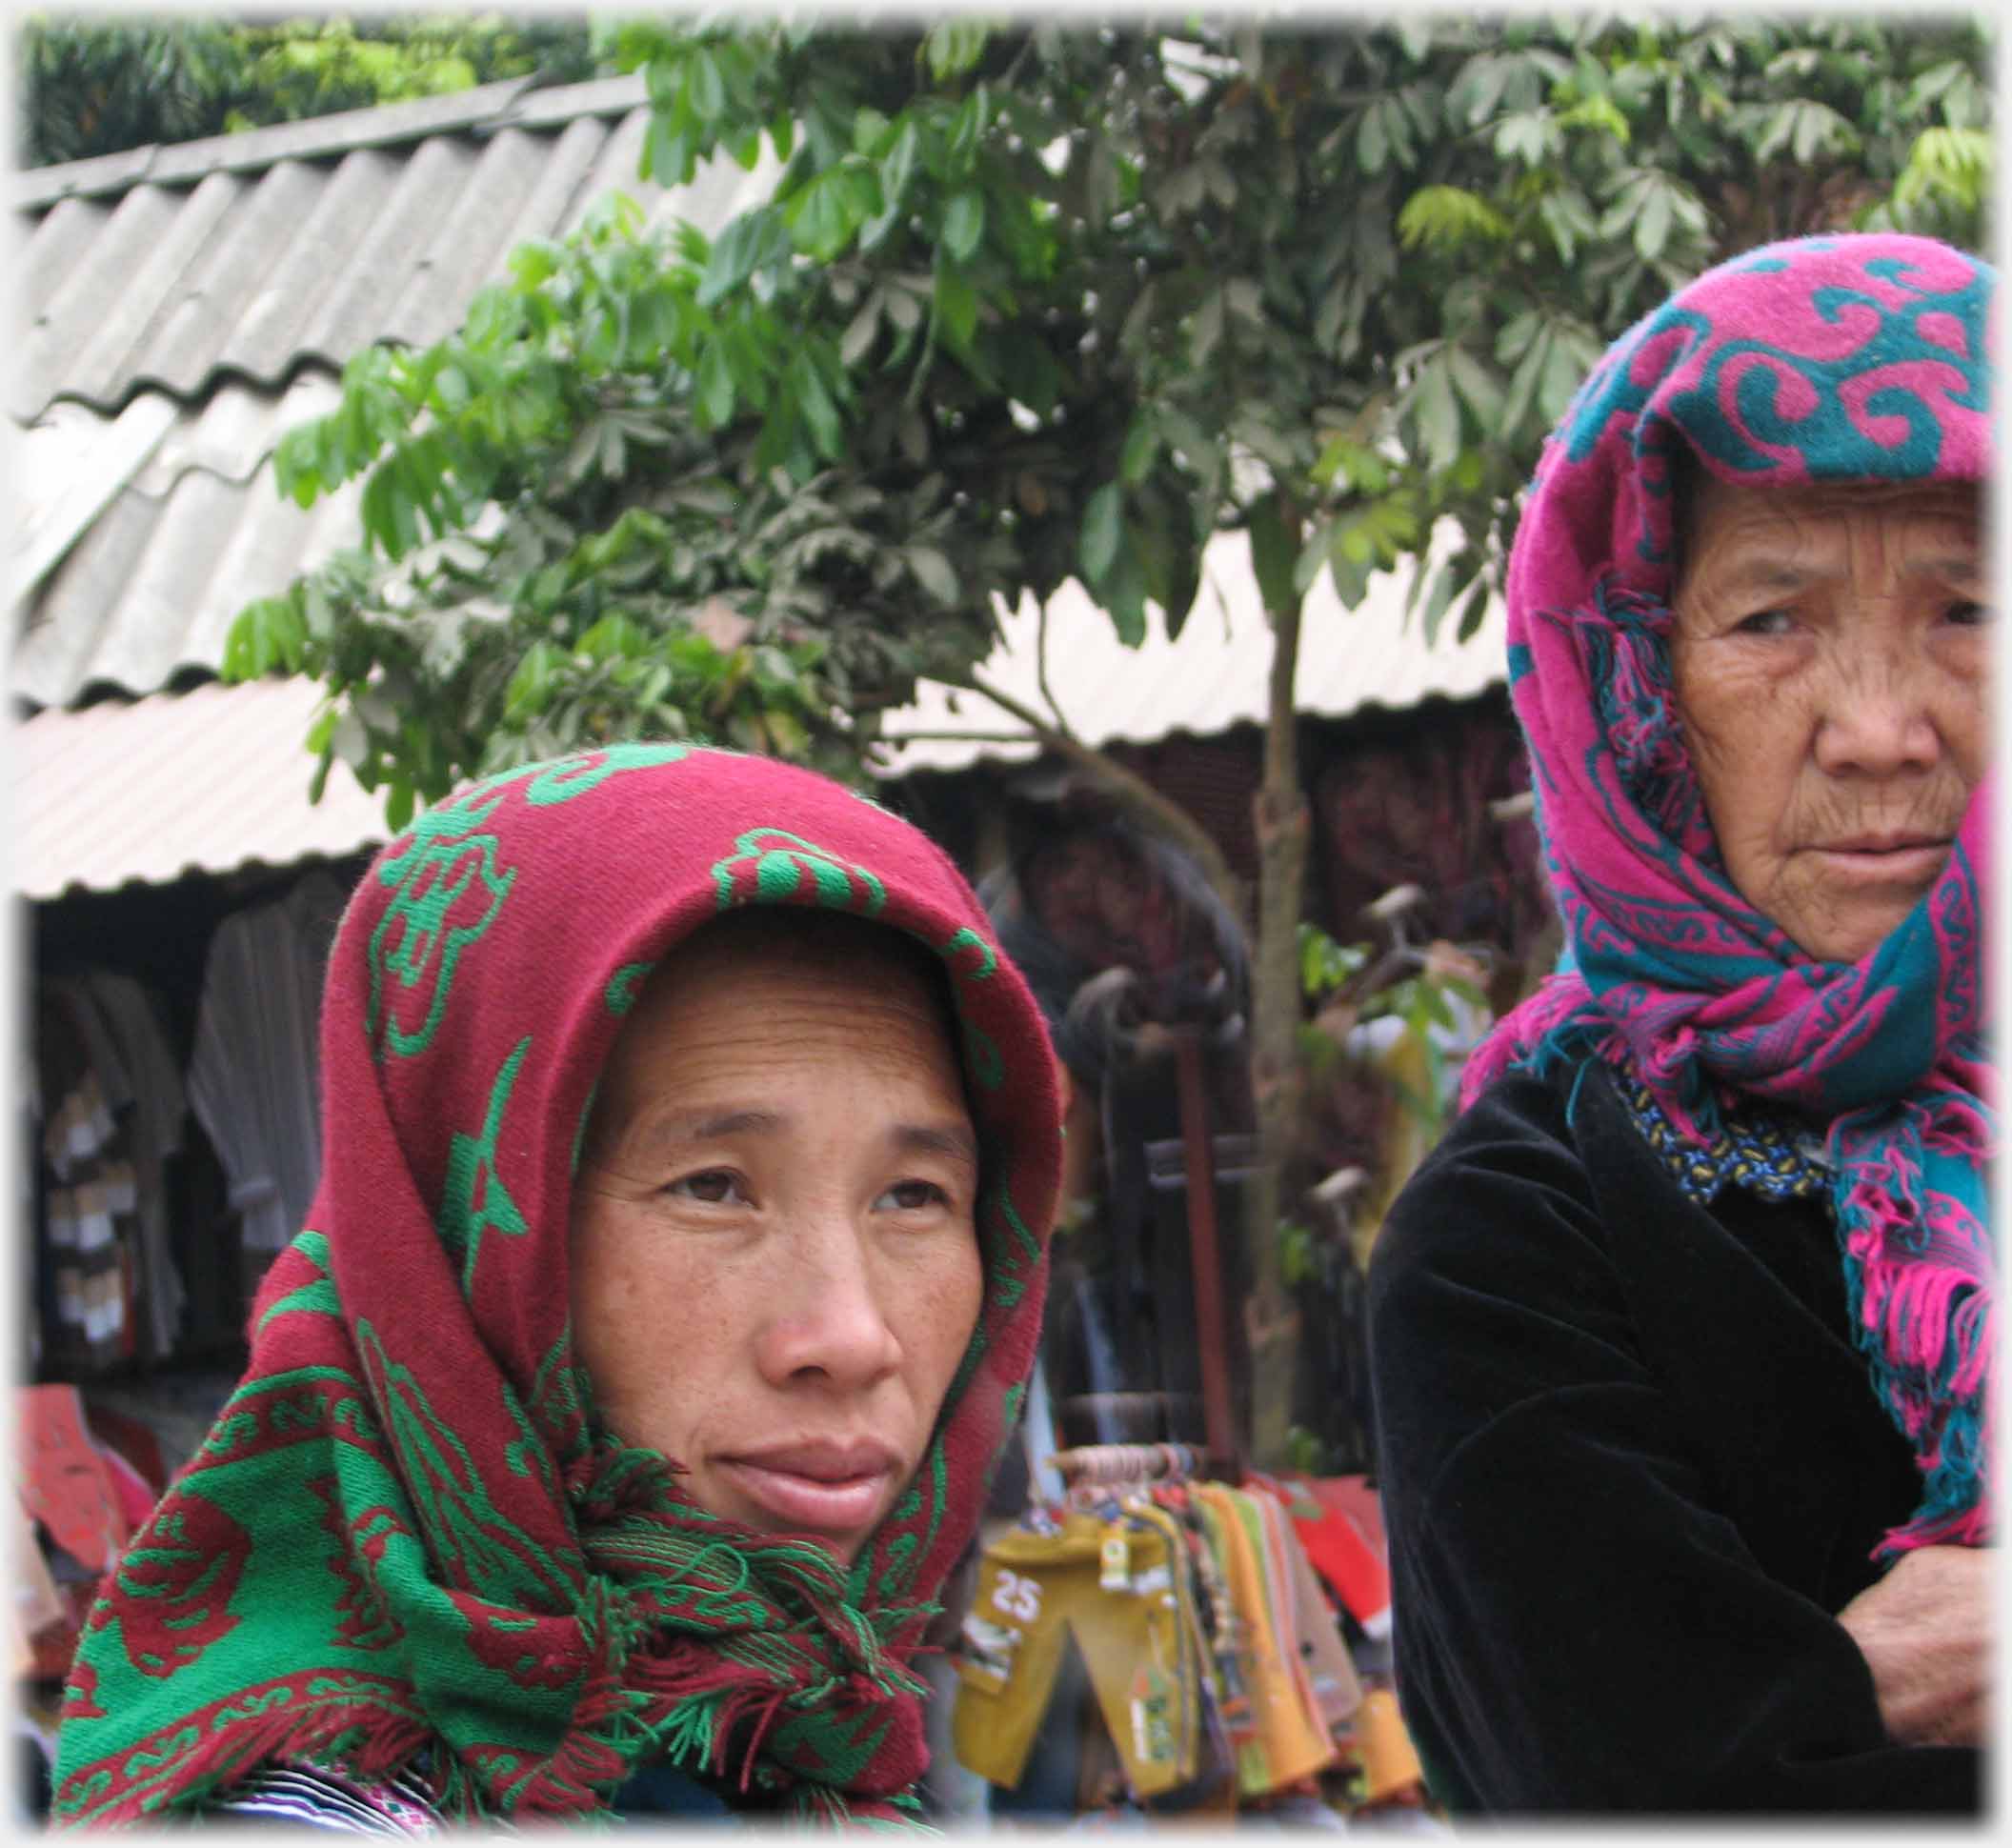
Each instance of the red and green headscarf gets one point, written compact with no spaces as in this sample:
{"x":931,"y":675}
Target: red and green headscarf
{"x":407,"y":1541}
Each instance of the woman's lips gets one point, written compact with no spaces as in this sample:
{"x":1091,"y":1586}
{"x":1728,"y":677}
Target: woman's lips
{"x":828,"y":1489}
{"x":1908,"y":862}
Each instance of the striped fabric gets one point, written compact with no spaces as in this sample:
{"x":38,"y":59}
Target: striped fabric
{"x":318,"y":1797}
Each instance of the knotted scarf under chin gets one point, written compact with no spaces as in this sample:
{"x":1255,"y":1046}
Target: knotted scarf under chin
{"x":740,"y":1656}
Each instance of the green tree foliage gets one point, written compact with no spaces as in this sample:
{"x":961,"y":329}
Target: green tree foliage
{"x":1037,"y":300}
{"x":98,"y":84}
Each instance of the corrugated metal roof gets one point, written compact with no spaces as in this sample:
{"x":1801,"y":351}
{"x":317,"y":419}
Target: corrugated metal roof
{"x":151,"y":583}
{"x":1214,"y":676}
{"x":250,"y":255}
{"x":187,"y":305}
{"x":150,"y":790}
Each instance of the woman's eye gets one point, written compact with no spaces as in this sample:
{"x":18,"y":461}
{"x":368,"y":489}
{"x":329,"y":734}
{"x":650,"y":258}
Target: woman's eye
{"x":1764,"y":622}
{"x":914,"y":1195}
{"x":1968,"y":615}
{"x":715,"y":1185}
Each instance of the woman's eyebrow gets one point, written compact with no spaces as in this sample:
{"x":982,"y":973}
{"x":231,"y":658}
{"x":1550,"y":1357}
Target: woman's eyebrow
{"x":1765,"y":574}
{"x":706,"y":1126}
{"x":952,"y":1139}
{"x":1964,"y":563}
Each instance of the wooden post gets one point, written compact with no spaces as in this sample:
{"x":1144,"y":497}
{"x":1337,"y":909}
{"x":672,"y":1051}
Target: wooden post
{"x":1205,"y":1254}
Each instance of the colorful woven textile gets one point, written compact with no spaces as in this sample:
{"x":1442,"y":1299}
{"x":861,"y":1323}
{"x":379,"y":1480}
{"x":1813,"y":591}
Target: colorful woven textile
{"x":406,"y":1528}
{"x":1839,"y":359}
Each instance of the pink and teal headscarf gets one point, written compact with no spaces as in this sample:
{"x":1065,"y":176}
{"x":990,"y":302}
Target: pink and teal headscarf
{"x":1858,"y":358}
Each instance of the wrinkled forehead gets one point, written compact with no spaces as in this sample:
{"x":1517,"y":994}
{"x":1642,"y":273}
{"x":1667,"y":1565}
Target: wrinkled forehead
{"x":1801,"y":524}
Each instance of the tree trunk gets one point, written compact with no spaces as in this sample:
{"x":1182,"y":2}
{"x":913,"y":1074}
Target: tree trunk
{"x":1283,"y":827}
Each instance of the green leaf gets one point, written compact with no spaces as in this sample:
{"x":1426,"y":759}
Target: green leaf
{"x":933,"y":571}
{"x":399,"y":803}
{"x":1448,"y":581}
{"x":1568,"y":218}
{"x":859,"y":339}
{"x":1350,"y":576}
{"x":1141,"y":448}
{"x":1447,"y":219}
{"x":814,"y":403}
{"x":964,"y":224}
{"x":1313,"y":556}
{"x":752,"y":242}
{"x":957,"y":307}
{"x":1652,"y":223}
{"x":1274,"y":550}
{"x":898,"y":166}
{"x":821,"y":218}
{"x":1206,"y":328}
{"x":705,"y":89}
{"x":1437,"y":413}
{"x":531,"y":684}
{"x":1478,"y":387}
{"x":1102,"y":532}
{"x":869,"y":125}
{"x":715,"y":386}
{"x":1372,"y":140}
{"x":954,"y":46}
{"x":1123,"y":595}
{"x":1476,"y":608}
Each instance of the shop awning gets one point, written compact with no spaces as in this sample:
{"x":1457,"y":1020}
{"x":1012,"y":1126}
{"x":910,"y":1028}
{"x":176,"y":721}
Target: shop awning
{"x":1214,"y":675}
{"x":149,"y":790}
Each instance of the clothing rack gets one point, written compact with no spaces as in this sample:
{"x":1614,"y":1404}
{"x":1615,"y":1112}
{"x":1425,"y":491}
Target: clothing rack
{"x":1102,"y":1465}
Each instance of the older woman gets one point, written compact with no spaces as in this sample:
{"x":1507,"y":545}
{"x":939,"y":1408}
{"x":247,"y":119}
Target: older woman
{"x":1681,"y":1338}
{"x":677,"y":1267}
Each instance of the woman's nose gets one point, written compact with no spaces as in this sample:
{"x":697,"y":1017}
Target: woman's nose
{"x":827,"y":1318}
{"x":1880,"y":718}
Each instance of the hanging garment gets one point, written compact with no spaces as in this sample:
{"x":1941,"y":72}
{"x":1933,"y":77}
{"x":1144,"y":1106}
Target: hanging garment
{"x":255,"y":1078}
{"x":1390,"y":1763}
{"x":1216,"y":1765}
{"x":1340,"y":1552}
{"x":1291,"y":1741}
{"x":89,"y":1219}
{"x":1332,"y":1682}
{"x":133,"y":1021}
{"x":1115,"y":1586}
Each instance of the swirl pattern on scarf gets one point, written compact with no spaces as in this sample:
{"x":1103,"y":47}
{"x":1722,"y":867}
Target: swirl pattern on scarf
{"x":1854,"y":358}
{"x":406,"y":1540}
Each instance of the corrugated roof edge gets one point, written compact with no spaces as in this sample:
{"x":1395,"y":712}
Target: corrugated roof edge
{"x":252,"y":866}
{"x":991,"y":754}
{"x":520,"y":103}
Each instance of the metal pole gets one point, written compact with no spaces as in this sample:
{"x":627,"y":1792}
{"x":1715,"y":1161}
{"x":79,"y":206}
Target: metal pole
{"x":1206,"y":1258}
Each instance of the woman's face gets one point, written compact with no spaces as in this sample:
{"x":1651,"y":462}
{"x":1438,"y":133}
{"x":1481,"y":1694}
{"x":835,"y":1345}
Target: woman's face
{"x":1831,"y":657}
{"x":776,"y":1267}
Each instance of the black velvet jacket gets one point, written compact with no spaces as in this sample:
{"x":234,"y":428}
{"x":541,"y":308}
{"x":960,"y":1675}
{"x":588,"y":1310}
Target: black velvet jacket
{"x":1631,"y":1467}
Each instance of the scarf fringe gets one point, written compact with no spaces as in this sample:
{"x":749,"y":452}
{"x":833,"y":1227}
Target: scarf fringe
{"x":1927,"y":1326}
{"x":235,"y":1752}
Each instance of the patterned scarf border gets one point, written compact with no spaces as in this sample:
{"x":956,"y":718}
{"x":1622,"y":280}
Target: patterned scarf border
{"x":1835,"y":359}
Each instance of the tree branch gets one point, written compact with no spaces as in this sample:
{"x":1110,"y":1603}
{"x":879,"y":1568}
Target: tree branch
{"x":896,"y":739}
{"x":1040,"y":673}
{"x":1132,"y":793}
